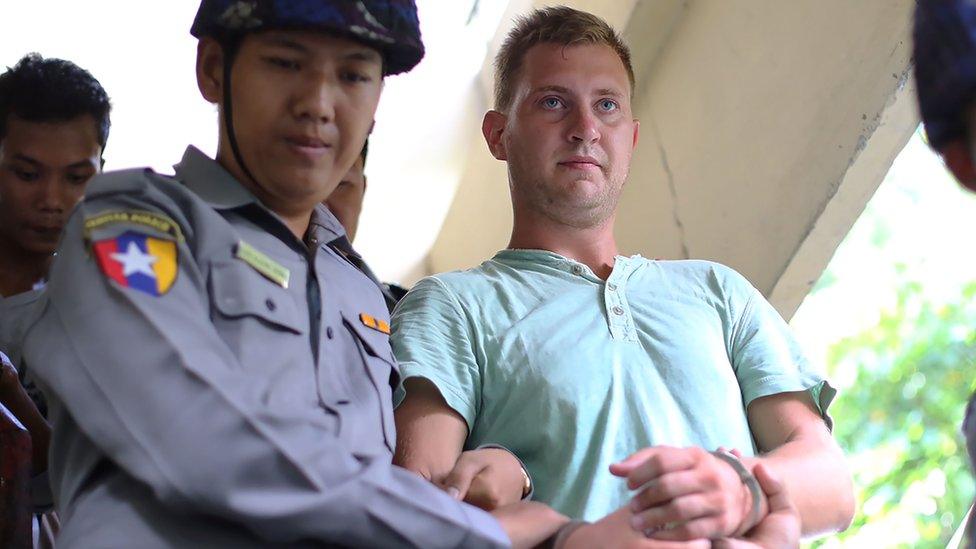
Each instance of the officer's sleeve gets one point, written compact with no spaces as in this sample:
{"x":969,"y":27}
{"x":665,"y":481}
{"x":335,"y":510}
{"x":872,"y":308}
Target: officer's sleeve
{"x":766,"y":356}
{"x":431,"y":339}
{"x":150,"y":382}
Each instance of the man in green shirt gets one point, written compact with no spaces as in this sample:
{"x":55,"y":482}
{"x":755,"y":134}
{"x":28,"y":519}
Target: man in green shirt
{"x":575,"y":357}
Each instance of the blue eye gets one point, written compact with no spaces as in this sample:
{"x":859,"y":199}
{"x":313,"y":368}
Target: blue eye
{"x":552,"y":103}
{"x":608,"y":105}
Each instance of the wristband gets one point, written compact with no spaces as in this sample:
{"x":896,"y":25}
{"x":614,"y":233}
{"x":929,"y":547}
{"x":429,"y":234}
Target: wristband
{"x":747,"y":478}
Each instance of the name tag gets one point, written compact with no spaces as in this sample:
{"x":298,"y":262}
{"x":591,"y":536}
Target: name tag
{"x":267,"y":267}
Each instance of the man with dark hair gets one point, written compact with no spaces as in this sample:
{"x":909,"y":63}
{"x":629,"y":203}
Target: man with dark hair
{"x":346,"y":203}
{"x":945,"y":73}
{"x":54,"y":123}
{"x":575,"y":357}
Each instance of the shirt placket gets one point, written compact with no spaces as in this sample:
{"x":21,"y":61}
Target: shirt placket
{"x":619,"y":318}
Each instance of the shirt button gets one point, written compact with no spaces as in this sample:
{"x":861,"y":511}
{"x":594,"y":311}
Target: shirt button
{"x":617,"y":310}
{"x":577,"y":269}
{"x":612,"y":287}
{"x":328,"y":332}
{"x":270,"y":304}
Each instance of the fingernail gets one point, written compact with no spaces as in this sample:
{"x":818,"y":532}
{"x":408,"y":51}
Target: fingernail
{"x":637,"y":523}
{"x":454,"y":492}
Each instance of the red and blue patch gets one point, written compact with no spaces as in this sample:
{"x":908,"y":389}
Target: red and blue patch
{"x":138,"y":261}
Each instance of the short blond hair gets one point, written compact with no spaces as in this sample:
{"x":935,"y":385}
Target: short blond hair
{"x":553,"y":25}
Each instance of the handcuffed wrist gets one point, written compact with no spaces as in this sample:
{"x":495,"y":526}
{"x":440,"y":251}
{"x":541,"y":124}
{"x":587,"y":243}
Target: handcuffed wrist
{"x":529,"y":486}
{"x":755,"y":491}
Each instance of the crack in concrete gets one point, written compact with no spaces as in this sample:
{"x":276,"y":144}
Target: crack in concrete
{"x":674,"y":190}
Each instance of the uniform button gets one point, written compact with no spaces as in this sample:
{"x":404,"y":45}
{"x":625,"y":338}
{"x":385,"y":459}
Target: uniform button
{"x":577,"y":269}
{"x":617,"y":310}
{"x":270,"y":304}
{"x":612,"y":287}
{"x":328,"y":332}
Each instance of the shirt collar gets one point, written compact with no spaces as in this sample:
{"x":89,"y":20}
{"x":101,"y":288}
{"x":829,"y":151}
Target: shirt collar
{"x":528,"y":258}
{"x":211,"y":182}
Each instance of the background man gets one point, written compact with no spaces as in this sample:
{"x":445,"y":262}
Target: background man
{"x":346,"y":203}
{"x":574,"y":357}
{"x":54,"y":123}
{"x":945,"y":72}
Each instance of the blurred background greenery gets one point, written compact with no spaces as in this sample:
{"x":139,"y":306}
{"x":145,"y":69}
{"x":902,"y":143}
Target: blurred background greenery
{"x":893,"y":319}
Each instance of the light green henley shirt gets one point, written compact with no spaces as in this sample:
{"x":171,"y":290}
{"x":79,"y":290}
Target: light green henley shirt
{"x":572,"y":373}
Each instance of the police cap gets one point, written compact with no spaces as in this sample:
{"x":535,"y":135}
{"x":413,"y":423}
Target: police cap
{"x":391,"y":26}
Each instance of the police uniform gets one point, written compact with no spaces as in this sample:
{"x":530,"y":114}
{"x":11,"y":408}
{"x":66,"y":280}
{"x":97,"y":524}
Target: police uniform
{"x":215,"y":381}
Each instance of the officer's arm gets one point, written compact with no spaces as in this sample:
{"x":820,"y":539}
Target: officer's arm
{"x":150,"y":382}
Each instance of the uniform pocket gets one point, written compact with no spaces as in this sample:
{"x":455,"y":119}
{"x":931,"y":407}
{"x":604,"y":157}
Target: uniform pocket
{"x":374,"y":347}
{"x":238,"y":292}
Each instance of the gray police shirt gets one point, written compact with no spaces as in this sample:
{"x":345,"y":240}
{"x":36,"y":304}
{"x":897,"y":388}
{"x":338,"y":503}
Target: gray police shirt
{"x":215,"y":381}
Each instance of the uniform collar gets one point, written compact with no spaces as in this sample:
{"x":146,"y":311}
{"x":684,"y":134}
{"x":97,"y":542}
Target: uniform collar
{"x":325,"y":225}
{"x":216,"y":186}
{"x":211,"y":182}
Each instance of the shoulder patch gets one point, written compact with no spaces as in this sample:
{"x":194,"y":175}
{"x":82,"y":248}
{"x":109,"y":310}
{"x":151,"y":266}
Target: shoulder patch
{"x":153,"y":220}
{"x":138,"y":261}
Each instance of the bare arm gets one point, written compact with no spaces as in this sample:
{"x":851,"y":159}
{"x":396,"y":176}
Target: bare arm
{"x":704,"y":497}
{"x":430,"y":435}
{"x":798,"y":448}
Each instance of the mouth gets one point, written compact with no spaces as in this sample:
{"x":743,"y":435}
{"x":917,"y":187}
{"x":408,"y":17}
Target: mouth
{"x":46,"y":231}
{"x":581,"y":163}
{"x":307,"y":147}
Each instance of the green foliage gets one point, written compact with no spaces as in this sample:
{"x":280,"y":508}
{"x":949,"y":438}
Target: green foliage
{"x":899,"y":421}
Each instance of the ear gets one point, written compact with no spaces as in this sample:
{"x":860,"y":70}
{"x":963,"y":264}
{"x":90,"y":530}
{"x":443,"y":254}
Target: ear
{"x":636,"y":134}
{"x":493,"y":127}
{"x":210,"y":70}
{"x":958,"y":159}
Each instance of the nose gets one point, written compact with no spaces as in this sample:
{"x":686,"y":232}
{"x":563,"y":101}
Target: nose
{"x":51,"y":198}
{"x":316,"y":99}
{"x":584,"y":126}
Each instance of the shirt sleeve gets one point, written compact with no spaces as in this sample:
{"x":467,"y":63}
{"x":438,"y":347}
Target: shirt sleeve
{"x":150,"y":382}
{"x":765,"y":354}
{"x":432,"y":339}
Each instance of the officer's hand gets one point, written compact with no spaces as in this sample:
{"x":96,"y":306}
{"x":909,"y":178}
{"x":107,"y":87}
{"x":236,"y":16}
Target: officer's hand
{"x":9,"y":380}
{"x":615,"y":531}
{"x":488,"y":478}
{"x":685,"y":493}
{"x":781,"y":527}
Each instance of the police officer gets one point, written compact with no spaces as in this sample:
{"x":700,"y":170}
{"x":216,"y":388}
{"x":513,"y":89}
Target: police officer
{"x":945,"y":74}
{"x":220,"y":375}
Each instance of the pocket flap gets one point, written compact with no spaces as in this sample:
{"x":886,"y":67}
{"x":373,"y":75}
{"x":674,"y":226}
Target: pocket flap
{"x":238,"y":291}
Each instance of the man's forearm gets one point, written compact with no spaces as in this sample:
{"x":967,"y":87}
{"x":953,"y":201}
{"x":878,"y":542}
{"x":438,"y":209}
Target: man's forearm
{"x":817,"y":477}
{"x":528,"y":523}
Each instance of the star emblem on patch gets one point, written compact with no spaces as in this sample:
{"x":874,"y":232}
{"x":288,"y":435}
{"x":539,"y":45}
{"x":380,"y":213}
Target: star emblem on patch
{"x":138,"y":261}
